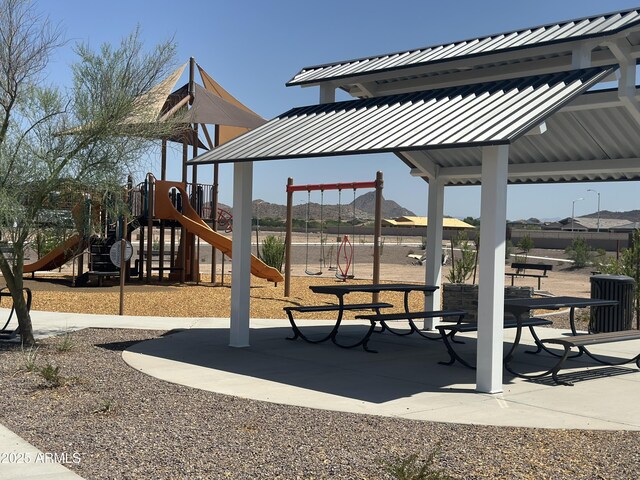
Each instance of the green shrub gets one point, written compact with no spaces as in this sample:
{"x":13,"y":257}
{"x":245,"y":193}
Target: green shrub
{"x":29,"y":357}
{"x":52,"y":375}
{"x":273,"y":252}
{"x":581,"y":253}
{"x":412,"y":468}
{"x":525,"y":245}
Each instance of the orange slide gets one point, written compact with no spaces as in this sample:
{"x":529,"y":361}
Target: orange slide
{"x":58,"y":256}
{"x":190,"y":220}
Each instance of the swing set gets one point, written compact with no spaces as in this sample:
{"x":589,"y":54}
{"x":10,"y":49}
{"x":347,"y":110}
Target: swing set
{"x":345,"y":252}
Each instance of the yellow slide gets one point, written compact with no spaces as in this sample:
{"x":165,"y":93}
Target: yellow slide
{"x":58,"y":256}
{"x":190,"y":220}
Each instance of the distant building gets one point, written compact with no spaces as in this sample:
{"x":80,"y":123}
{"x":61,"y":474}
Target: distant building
{"x":421,"y":222}
{"x":627,"y":227}
{"x":590,"y":224}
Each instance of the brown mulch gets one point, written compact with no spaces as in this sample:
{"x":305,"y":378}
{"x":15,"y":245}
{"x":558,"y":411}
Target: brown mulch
{"x":168,"y":299}
{"x":192,"y":300}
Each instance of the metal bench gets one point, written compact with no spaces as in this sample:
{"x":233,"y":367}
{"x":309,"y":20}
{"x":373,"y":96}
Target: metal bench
{"x":521,"y":271}
{"x":334,"y":331}
{"x":448,"y":332}
{"x":584,"y":340}
{"x":383,"y":318}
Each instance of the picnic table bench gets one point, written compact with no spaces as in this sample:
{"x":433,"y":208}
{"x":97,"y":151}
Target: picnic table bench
{"x":383,"y":318}
{"x":521,"y":271}
{"x":581,"y":341}
{"x":334,"y":331}
{"x":448,"y":332}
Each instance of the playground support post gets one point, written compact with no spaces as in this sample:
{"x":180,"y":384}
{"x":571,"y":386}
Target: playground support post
{"x":377,"y":232}
{"x":163,"y":176}
{"x":150,"y":189}
{"x":194,"y":259}
{"x":288,"y":239}
{"x":214,"y":218}
{"x":123,"y":263}
{"x":183,"y":231}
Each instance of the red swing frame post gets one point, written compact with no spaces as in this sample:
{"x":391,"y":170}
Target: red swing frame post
{"x":377,"y":184}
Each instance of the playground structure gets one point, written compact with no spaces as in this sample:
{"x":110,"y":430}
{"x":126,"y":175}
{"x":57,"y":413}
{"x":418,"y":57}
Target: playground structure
{"x":190,"y":208}
{"x":344,"y":257}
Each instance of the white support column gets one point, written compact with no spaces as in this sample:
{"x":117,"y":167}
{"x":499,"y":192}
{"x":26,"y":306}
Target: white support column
{"x":241,"y":254}
{"x":327,"y":93}
{"x":627,"y":77}
{"x":493,"y":215}
{"x":581,"y":56}
{"x":433,"y":263}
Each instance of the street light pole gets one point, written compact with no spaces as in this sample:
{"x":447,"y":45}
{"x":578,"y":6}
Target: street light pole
{"x":573,"y":211}
{"x":597,"y":193}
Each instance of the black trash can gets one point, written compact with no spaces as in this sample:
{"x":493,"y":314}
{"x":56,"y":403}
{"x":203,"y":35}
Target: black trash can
{"x":612,"y":287}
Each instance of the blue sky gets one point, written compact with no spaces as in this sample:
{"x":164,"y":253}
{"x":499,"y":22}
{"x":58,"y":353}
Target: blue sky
{"x":253,"y":47}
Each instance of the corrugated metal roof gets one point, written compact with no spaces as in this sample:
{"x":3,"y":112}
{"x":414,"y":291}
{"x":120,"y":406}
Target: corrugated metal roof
{"x":484,"y":114}
{"x":572,"y":30}
{"x":581,"y":145}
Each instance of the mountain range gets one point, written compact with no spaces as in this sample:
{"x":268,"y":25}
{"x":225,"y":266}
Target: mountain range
{"x":364,"y":209}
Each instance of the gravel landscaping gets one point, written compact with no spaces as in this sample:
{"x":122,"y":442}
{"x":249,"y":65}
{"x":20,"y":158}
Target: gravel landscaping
{"x":124,"y":424}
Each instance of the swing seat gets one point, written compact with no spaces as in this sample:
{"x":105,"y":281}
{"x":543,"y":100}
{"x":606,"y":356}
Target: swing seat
{"x":312,"y":273}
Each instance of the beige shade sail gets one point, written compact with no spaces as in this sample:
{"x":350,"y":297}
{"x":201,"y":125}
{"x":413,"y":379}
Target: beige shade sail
{"x":224,"y":133}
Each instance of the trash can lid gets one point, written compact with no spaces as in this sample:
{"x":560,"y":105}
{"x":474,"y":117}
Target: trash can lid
{"x":612,"y":278}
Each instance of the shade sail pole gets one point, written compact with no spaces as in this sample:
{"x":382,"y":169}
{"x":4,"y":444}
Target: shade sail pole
{"x":241,"y":254}
{"x":493,"y":212}
{"x":433,"y":262}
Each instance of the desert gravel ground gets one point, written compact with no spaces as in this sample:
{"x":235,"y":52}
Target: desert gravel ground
{"x":124,"y":424}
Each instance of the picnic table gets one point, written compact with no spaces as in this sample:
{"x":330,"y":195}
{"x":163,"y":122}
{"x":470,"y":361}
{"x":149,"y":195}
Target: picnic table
{"x":340,"y":291}
{"x":519,"y":306}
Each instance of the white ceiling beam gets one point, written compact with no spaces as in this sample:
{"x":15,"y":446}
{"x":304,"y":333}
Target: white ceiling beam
{"x":581,"y":55}
{"x":595,"y":101}
{"x":422,"y":163}
{"x":583,"y":167}
{"x":537,"y":130}
{"x":367,"y":90}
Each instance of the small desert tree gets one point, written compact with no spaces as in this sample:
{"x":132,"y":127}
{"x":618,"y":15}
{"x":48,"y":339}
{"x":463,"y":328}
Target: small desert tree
{"x":525,"y":245}
{"x":90,"y":136}
{"x":463,"y":266}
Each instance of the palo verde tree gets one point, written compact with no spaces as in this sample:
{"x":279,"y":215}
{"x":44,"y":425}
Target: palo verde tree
{"x":89,"y":136}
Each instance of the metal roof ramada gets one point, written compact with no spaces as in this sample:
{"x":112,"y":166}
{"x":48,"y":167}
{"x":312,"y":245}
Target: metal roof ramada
{"x":474,"y":115}
{"x":570,"y":30}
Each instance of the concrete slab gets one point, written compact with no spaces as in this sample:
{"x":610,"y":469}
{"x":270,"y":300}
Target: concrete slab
{"x":403,"y":379}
